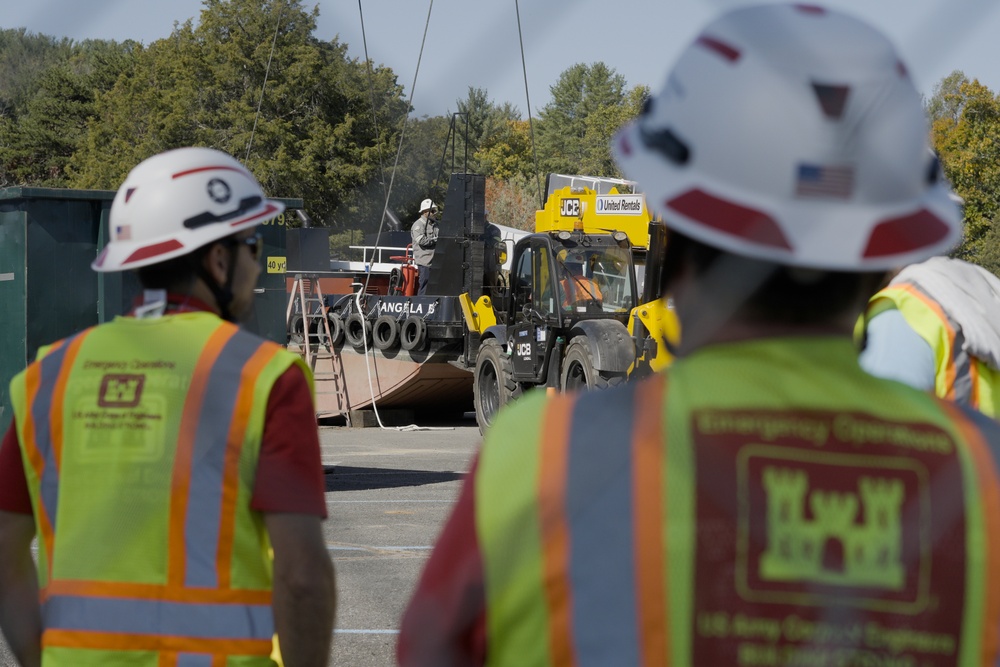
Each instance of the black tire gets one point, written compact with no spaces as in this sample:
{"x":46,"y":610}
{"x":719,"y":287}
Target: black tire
{"x":295,"y":330}
{"x":357,"y":331}
{"x":493,"y":383}
{"x":336,"y":328}
{"x":385,"y":332}
{"x":578,"y":369}
{"x":413,"y":334}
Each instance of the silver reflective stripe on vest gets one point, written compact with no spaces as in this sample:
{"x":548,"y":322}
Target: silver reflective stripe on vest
{"x":960,"y":359}
{"x":41,"y":408}
{"x":204,"y":511}
{"x":599,"y":517}
{"x":194,"y":660}
{"x":157,"y":617}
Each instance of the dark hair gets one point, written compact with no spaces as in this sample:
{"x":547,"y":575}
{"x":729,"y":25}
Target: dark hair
{"x":767,"y":291}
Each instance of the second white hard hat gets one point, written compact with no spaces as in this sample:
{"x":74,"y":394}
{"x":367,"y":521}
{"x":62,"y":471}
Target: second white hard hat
{"x":793,"y":133}
{"x":178,"y":201}
{"x":427,"y":205}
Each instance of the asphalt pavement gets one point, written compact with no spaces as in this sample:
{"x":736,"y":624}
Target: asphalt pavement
{"x":388,"y":492}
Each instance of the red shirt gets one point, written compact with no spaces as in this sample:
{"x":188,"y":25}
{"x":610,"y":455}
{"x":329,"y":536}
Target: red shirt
{"x":289,"y":472}
{"x":445,"y":622}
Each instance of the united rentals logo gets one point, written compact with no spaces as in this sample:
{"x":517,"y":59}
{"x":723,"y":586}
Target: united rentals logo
{"x":121,"y":391}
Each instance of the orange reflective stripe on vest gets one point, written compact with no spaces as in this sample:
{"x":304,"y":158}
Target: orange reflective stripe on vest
{"x":605,"y":589}
{"x":46,"y":386}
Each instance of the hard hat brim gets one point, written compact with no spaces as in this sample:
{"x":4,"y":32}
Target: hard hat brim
{"x":840,"y":235}
{"x":127,"y":255}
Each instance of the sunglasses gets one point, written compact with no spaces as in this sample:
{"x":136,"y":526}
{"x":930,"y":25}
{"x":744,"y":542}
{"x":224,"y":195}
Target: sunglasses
{"x":255,"y":243}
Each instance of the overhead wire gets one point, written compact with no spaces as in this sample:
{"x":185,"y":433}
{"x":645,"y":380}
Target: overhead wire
{"x":527,"y":98}
{"x":263,"y":86}
{"x":385,"y":208}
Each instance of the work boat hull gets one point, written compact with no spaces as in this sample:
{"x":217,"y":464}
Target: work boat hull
{"x":426,"y":383}
{"x":419,"y":367}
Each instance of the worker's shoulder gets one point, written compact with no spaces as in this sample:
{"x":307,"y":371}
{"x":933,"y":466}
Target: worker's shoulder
{"x":988,"y":427}
{"x":583,"y":409}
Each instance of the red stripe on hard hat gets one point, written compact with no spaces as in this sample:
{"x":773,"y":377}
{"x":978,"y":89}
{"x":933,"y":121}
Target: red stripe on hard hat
{"x":218,"y":167}
{"x":154,"y":250}
{"x":725,"y":50}
{"x":810,"y":9}
{"x":727,"y":217}
{"x":269,"y":209}
{"x":909,"y":232}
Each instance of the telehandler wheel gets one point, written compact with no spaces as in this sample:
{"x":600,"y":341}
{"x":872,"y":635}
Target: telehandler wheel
{"x":357,"y":331}
{"x":493,"y":383}
{"x":385,"y":332}
{"x":578,"y":369}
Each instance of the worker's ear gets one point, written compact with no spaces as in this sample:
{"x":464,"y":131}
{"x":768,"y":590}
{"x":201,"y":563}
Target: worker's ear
{"x":216,"y":261}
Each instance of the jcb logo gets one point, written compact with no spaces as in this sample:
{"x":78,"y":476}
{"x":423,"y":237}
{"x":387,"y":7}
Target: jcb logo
{"x":569,"y":208}
{"x":121,"y":391}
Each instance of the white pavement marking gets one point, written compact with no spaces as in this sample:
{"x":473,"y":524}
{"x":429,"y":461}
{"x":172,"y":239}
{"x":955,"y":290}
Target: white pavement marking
{"x":392,"y":502}
{"x":374,"y":548}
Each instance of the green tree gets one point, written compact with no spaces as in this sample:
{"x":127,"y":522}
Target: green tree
{"x":507,"y":152}
{"x":23,"y":58}
{"x":486,"y":120}
{"x":965,"y":117}
{"x":589,"y":103}
{"x":38,"y":138}
{"x":314,"y":136}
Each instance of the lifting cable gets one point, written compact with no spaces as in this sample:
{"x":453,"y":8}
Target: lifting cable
{"x":385,"y":210}
{"x":263,"y":86}
{"x":527,"y":97}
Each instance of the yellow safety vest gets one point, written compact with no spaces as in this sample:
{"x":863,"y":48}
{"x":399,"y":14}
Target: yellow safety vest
{"x":759,"y":503}
{"x":140,"y":440}
{"x":958,"y":376}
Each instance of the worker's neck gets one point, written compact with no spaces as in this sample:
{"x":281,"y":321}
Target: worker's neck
{"x":700,"y":330}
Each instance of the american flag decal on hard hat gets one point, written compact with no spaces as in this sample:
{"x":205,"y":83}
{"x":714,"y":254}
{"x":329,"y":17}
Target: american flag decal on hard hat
{"x":123,"y":233}
{"x":820,"y":181}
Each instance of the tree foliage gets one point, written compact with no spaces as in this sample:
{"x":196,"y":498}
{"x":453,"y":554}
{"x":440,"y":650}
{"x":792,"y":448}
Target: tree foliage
{"x":24,"y":57}
{"x":41,"y":130}
{"x":512,"y":202}
{"x":314,"y":135}
{"x":302,"y":118}
{"x":965,"y":126}
{"x":589,"y":103}
{"x":485,"y":121}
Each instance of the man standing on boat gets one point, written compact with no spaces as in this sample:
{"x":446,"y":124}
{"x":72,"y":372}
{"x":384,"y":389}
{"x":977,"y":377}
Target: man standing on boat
{"x":424,"y":233}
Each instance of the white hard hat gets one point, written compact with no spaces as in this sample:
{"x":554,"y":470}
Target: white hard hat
{"x":427,"y":205}
{"x":178,"y":201}
{"x":794,"y":134}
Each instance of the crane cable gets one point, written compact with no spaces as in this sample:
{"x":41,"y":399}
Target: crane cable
{"x":385,"y":209}
{"x":263,"y":86}
{"x":527,"y":97}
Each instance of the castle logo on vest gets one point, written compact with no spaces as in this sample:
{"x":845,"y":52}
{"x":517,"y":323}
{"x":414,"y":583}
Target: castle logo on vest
{"x":121,"y":391}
